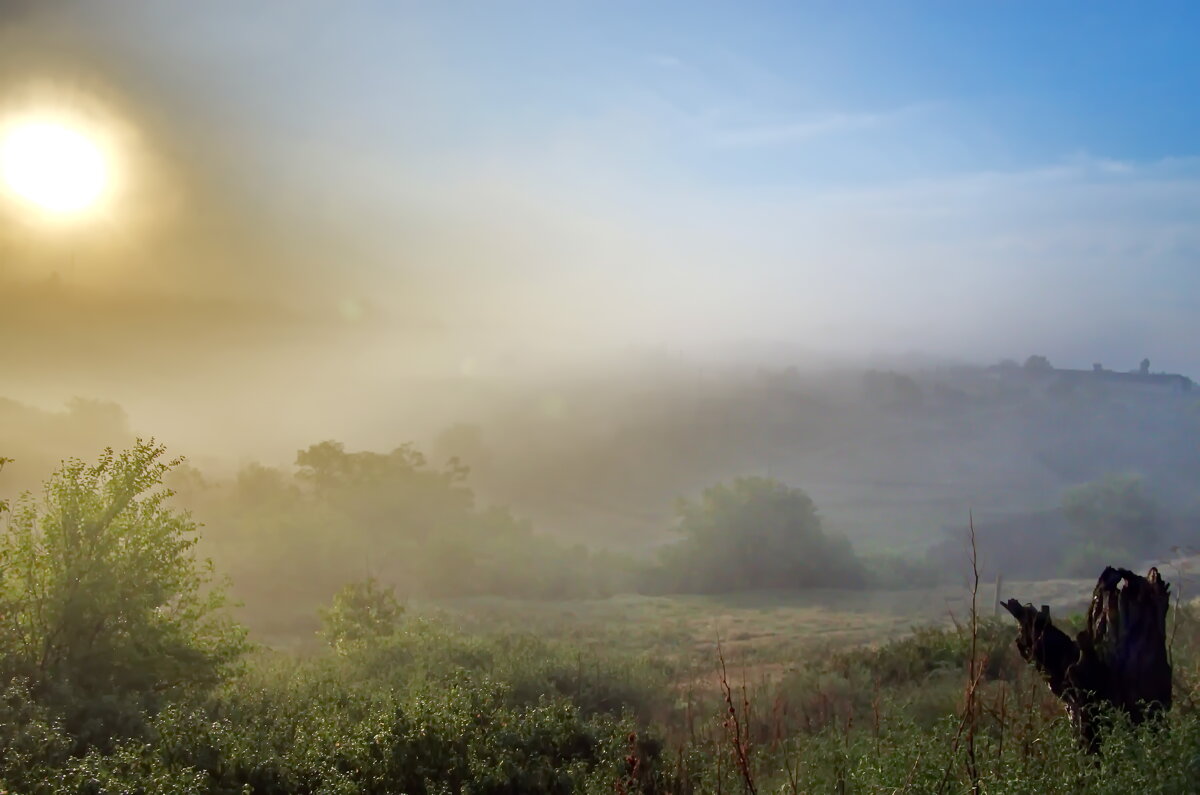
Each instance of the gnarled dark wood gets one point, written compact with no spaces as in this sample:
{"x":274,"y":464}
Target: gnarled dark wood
{"x":1119,"y":660}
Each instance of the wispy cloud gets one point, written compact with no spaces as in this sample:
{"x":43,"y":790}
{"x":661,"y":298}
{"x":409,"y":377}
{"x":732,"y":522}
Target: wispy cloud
{"x":666,"y":61}
{"x":805,"y":128}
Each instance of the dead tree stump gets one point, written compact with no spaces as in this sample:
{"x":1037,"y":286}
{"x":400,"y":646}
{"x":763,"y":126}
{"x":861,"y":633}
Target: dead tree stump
{"x":1119,"y":660}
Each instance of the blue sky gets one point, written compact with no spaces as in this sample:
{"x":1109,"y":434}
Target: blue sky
{"x":751,"y":93}
{"x":971,"y":179}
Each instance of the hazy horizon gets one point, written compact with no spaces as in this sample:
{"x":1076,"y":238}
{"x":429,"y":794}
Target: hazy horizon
{"x":311,"y":209}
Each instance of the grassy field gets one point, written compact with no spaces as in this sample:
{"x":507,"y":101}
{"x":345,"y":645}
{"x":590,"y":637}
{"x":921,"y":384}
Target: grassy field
{"x":767,"y":630}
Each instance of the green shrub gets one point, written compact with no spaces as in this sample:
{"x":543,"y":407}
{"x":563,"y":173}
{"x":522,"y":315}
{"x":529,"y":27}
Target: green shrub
{"x":107,"y":611}
{"x":423,"y":653}
{"x":361,"y":613}
{"x":1111,"y":519}
{"x":308,"y":731}
{"x":753,"y":534}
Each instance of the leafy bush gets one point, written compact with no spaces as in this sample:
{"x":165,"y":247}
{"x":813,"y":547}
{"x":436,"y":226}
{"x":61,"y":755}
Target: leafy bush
{"x":424,"y":653}
{"x":106,"y":610}
{"x":754,"y":533}
{"x":1111,"y":519}
{"x":309,"y":731}
{"x":362,"y":612}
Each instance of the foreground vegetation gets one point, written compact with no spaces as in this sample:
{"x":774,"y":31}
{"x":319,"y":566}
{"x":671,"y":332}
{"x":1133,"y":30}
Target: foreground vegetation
{"x":124,"y":673}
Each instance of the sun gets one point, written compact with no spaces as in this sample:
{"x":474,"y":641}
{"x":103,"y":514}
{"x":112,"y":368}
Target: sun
{"x":53,"y":166}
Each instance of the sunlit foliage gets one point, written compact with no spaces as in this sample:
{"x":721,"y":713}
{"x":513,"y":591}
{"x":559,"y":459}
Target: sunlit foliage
{"x":105,"y":608}
{"x":361,"y":613}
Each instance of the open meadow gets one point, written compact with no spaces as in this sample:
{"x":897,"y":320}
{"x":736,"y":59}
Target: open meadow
{"x":775,"y":630}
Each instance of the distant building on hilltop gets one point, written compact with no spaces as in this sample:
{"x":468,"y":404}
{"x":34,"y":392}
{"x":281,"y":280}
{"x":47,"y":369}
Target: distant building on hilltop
{"x":1039,"y":368}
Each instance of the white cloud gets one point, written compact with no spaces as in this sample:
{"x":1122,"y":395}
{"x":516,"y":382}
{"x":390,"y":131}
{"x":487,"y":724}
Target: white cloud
{"x":797,"y":130}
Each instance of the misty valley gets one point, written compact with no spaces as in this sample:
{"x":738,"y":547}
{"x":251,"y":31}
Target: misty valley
{"x":683,"y":615}
{"x":527,"y":397}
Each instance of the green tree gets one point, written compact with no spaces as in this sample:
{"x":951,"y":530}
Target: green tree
{"x":1113,"y":521}
{"x":755,"y":533}
{"x":290,"y":541}
{"x":362,"y":612}
{"x":104,"y":608}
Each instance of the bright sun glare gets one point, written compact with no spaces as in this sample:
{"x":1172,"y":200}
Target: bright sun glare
{"x":53,"y":166}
